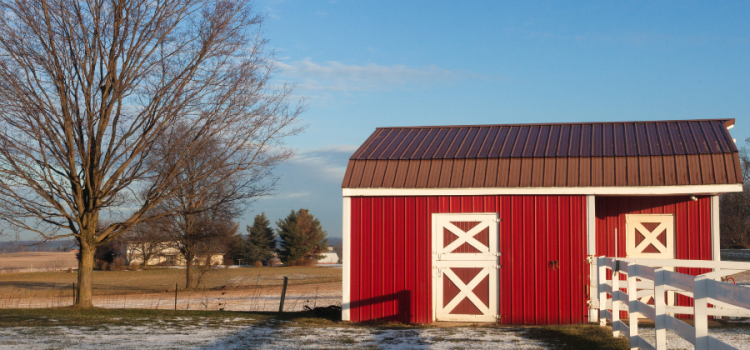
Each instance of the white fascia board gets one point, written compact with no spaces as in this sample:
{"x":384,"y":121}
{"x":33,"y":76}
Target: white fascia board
{"x":591,"y":224}
{"x":715,"y":229}
{"x":548,"y":191}
{"x":346,"y":260}
{"x":591,"y":250}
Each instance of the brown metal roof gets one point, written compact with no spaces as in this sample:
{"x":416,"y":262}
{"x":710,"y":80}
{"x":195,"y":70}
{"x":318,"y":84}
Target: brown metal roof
{"x":663,"y":153}
{"x":614,"y":139}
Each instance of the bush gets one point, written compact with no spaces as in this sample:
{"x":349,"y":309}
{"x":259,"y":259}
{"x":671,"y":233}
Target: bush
{"x":134,"y":266}
{"x":304,"y":262}
{"x":118,"y":264}
{"x":228,"y":262}
{"x":258,"y":263}
{"x":103,"y":265}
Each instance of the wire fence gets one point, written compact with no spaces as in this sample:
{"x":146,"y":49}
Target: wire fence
{"x":264,"y":296}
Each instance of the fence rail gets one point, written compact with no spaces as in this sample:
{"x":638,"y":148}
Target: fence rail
{"x":653,"y":278}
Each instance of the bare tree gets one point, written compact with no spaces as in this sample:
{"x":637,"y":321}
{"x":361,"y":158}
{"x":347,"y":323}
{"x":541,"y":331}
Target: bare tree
{"x":89,"y":89}
{"x":735,"y":209}
{"x":203,"y":213}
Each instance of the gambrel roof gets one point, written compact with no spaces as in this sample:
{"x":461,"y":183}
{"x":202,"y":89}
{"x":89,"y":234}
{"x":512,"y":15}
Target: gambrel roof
{"x":652,"y":153}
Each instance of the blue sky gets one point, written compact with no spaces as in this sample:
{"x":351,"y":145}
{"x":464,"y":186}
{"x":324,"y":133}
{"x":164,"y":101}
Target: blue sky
{"x":364,"y":64}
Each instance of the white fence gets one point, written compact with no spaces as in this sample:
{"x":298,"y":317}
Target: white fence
{"x":653,"y":278}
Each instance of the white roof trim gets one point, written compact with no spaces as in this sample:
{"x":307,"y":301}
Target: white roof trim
{"x":614,"y":191}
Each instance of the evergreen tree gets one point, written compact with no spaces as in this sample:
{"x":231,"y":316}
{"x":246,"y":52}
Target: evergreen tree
{"x":302,"y":238}
{"x":260,"y":243}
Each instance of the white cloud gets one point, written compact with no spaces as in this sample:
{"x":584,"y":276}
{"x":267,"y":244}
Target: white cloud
{"x":337,"y":76}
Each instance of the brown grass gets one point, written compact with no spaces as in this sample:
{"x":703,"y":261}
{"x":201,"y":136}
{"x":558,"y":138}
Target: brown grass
{"x":578,"y":337}
{"x":160,"y":280}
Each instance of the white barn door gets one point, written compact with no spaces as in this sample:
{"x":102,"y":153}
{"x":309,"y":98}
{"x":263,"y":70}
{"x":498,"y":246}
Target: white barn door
{"x":650,"y":236}
{"x":464,"y":262}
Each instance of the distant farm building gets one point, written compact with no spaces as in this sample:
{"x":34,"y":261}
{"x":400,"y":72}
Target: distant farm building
{"x":499,"y":223}
{"x":329,"y":257}
{"x":167,"y":253}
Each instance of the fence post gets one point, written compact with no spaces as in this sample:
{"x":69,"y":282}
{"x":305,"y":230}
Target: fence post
{"x":283,"y":295}
{"x":74,"y":294}
{"x":175,"y":296}
{"x":615,"y":299}
{"x":660,"y":309}
{"x":602,"y":295}
{"x":700,"y":312}
{"x":632,"y":305}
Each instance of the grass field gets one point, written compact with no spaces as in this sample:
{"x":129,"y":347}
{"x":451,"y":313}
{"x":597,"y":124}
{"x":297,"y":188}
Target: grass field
{"x":40,"y":284}
{"x":239,"y":289}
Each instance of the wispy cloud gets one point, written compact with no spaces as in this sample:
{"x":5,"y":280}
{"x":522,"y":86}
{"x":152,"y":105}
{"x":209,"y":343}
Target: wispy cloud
{"x":327,"y":163}
{"x":337,"y":76}
{"x":290,"y":195}
{"x":312,"y":179}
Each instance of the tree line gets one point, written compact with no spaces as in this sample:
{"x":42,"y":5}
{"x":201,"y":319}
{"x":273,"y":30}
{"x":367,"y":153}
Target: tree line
{"x":298,"y":240}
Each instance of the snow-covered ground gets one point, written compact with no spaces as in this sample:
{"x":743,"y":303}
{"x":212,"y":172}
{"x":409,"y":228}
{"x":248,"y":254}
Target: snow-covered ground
{"x":245,"y":333}
{"x":735,"y":254}
{"x":739,"y":337}
{"x":266,"y":336}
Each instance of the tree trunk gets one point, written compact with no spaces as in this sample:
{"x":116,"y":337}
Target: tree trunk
{"x":188,"y":271}
{"x":85,"y":276}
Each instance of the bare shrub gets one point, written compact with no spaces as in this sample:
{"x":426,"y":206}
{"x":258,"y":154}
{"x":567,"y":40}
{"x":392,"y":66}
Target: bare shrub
{"x":54,"y":265}
{"x":118,"y":264}
{"x":134,"y":266}
{"x":258,"y":264}
{"x":308,"y":261}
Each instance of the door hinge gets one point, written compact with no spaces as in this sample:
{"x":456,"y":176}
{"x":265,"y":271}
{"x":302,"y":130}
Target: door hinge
{"x":497,"y":266}
{"x":590,"y":259}
{"x":498,"y":254}
{"x":498,"y":220}
{"x":498,"y":316}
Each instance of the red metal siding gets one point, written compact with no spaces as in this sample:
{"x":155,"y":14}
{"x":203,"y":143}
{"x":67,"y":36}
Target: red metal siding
{"x":692,"y":227}
{"x":692,"y":223}
{"x":391,"y":271}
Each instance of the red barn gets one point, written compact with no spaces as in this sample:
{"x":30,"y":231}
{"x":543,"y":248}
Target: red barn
{"x":497,"y":223}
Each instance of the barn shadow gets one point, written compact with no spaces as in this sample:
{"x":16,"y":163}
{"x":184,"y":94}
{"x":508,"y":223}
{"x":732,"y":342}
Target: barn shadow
{"x":403,"y":307}
{"x":302,"y":323}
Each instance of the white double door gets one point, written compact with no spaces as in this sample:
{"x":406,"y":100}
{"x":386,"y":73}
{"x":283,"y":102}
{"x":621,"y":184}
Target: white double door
{"x":465,"y":267}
